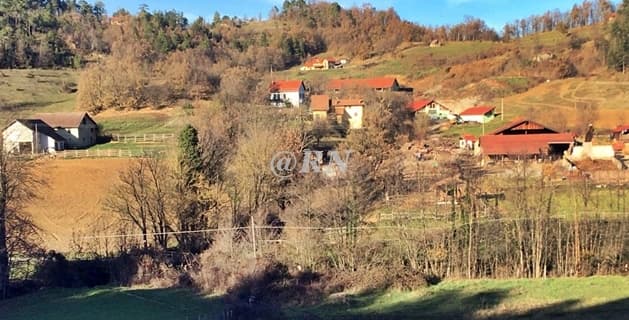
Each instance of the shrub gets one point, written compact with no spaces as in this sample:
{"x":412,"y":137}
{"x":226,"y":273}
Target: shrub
{"x":576,"y":42}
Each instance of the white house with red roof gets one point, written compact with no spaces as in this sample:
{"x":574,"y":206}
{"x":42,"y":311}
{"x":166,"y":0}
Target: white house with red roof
{"x":350,"y":112}
{"x":480,"y":114}
{"x":433,"y":109}
{"x":287,"y":93}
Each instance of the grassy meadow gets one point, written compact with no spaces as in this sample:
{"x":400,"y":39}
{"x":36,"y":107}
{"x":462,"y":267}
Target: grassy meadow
{"x":560,"y":298}
{"x":26,"y":91}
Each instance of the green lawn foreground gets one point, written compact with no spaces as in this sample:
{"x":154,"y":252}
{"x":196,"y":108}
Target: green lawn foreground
{"x":561,"y":298}
{"x":112,"y":303}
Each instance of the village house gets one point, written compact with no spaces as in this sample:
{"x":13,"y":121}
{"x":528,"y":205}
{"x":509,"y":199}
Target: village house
{"x":479,"y":114}
{"x":31,"y":136}
{"x":468,"y":142}
{"x":620,"y":138}
{"x":287,"y":93}
{"x":322,"y":64}
{"x":349,"y":112}
{"x":78,"y":129}
{"x":525,"y":138}
{"x":621,"y":133}
{"x":433,"y":109}
{"x":377,"y":84}
{"x":320,"y":106}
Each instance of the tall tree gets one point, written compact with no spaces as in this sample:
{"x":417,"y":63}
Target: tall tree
{"x":618,"y":56}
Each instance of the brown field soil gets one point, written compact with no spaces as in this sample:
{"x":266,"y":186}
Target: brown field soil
{"x":70,"y":205}
{"x":568,"y":95}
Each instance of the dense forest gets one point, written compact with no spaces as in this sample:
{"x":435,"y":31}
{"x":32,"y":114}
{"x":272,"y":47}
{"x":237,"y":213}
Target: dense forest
{"x":152,"y":58}
{"x":62,"y":33}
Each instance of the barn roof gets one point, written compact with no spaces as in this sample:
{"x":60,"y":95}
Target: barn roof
{"x":527,"y":144}
{"x":521,"y":124}
{"x":41,"y":127}
{"x":477,"y":111}
{"x":63,"y":119}
{"x":372,"y":83}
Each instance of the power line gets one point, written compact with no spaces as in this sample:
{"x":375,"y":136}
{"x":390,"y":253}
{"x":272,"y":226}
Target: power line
{"x":326,"y":229}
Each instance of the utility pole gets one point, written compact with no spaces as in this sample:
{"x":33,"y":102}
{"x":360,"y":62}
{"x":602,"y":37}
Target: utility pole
{"x":502,"y":108}
{"x":253,"y":237}
{"x":35,"y":144}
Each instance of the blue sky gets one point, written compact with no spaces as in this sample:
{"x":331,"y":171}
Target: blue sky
{"x":426,"y":12}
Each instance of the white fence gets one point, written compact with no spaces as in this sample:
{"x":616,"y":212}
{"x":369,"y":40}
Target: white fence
{"x":147,"y":137}
{"x":105,"y":153}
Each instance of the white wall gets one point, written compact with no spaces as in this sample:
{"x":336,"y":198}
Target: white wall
{"x":15,"y":134}
{"x":476,"y":118}
{"x":296,"y":98}
{"x":592,"y":152}
{"x":355,"y":116}
{"x":18,"y":133}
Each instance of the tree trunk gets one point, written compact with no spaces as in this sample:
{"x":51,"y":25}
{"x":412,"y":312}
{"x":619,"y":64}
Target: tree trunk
{"x":4,"y":253}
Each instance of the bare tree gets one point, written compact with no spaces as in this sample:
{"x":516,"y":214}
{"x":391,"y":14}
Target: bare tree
{"x":16,"y":188}
{"x":143,"y":197}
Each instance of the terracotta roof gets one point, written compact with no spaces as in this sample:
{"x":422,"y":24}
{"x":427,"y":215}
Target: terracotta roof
{"x":521,"y":123}
{"x":420,"y":104}
{"x":620,"y":128}
{"x":319,"y":102}
{"x":525,"y":144}
{"x":285,"y":85}
{"x":477,"y":111}
{"x":618,"y":146}
{"x":469,"y":137}
{"x":348,"y":102}
{"x":372,"y":83}
{"x":41,"y":127}
{"x":63,"y":119}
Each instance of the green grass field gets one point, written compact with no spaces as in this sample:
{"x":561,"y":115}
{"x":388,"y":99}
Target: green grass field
{"x":564,"y":298}
{"x":111,"y":303}
{"x":23,"y":92}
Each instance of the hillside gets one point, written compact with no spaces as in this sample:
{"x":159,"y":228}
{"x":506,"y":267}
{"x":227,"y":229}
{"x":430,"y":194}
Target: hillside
{"x":464,"y":73}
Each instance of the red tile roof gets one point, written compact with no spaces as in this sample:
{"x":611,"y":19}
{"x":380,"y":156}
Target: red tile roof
{"x":419,"y":104}
{"x":319,"y":102}
{"x":348,"y":102}
{"x":285,"y":85}
{"x":477,"y":111}
{"x":372,"y":83}
{"x":620,"y":128}
{"x":526,"y":144}
{"x":468,"y":137}
{"x":618,"y":146}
